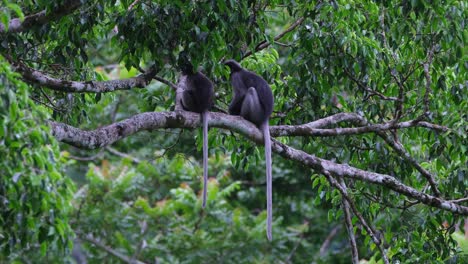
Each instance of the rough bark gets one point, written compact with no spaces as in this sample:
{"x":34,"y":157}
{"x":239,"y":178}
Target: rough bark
{"x":16,"y":25}
{"x":107,"y":135}
{"x":35,"y":76}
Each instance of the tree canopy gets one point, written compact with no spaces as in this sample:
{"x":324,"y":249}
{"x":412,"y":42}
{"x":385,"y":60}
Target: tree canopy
{"x":369,"y":132}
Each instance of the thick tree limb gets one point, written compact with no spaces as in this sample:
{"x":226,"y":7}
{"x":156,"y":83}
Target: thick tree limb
{"x":15,"y":25}
{"x":181,"y":119}
{"x":35,"y":76}
{"x":311,"y":129}
{"x":344,"y":170}
{"x":181,"y":84}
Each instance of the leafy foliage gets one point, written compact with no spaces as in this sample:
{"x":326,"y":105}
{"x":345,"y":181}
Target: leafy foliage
{"x":161,"y":223}
{"x":389,"y":61}
{"x":35,"y":196}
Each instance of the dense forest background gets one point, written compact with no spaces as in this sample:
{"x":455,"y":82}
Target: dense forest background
{"x":369,"y":132}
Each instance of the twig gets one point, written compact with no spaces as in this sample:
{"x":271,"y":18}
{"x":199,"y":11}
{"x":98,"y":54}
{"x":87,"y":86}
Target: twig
{"x":171,"y":146}
{"x":309,"y":130}
{"x":349,"y":225}
{"x":264,"y":44}
{"x":328,"y":240}
{"x":370,"y":230}
{"x":47,"y":105}
{"x":218,"y":109}
{"x":407,"y":157}
{"x":116,"y":109}
{"x":81,"y":193}
{"x":427,"y":74}
{"x":144,"y":230}
{"x":393,"y":72}
{"x":123,"y":155}
{"x":166,"y":82}
{"x":133,"y":4}
{"x":374,"y":199}
{"x":108,"y":249}
{"x":48,"y":98}
{"x":367,"y":89}
{"x":296,"y":245}
{"x":160,"y":79}
{"x":90,"y":158}
{"x":461,"y":200}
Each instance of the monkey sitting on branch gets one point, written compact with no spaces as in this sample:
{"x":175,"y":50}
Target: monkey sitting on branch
{"x":253,"y":100}
{"x":197,"y":97}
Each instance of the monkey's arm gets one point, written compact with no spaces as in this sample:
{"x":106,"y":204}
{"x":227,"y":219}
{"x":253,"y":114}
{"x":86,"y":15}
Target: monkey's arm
{"x":265,"y":97}
{"x":240,"y":90}
{"x":187,"y":101}
{"x":236,"y":104}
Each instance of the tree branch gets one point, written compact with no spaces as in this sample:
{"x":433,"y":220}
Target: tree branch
{"x":15,"y":25}
{"x":427,"y":74}
{"x":123,"y":155}
{"x":461,"y":200}
{"x":349,"y":225}
{"x":367,"y":89}
{"x":328,"y":240}
{"x":265,"y":44}
{"x":166,"y":82}
{"x":35,"y":76}
{"x":405,"y":155}
{"x":110,"y":250}
{"x":312,"y":129}
{"x":107,"y":135}
{"x":350,"y":203}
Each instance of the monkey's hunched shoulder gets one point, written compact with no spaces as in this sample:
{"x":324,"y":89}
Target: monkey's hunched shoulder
{"x":200,"y":89}
{"x":264,"y":92}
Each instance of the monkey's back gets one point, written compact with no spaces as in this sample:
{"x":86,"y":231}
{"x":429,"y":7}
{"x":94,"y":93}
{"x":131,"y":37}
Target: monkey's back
{"x":203,"y":91}
{"x":264,"y":92}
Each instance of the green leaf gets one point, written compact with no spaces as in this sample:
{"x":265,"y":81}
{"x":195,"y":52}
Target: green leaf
{"x":5,"y":19}
{"x":17,"y":9}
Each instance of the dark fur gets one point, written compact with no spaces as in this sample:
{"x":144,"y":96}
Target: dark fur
{"x":253,"y":100}
{"x":198,"y":97}
{"x":242,"y":80}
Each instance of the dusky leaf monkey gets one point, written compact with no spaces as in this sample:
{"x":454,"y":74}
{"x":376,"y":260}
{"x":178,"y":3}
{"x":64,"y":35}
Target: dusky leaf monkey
{"x":198,"y":97}
{"x":253,"y":100}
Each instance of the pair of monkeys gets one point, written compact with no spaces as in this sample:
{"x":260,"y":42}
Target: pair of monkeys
{"x":253,"y":100}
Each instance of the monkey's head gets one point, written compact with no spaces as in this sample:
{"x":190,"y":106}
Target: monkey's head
{"x":233,"y":65}
{"x":184,"y":63}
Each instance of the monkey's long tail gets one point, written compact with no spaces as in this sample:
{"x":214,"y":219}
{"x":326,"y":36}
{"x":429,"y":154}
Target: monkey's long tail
{"x":204,"y":118}
{"x":266,"y":137}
